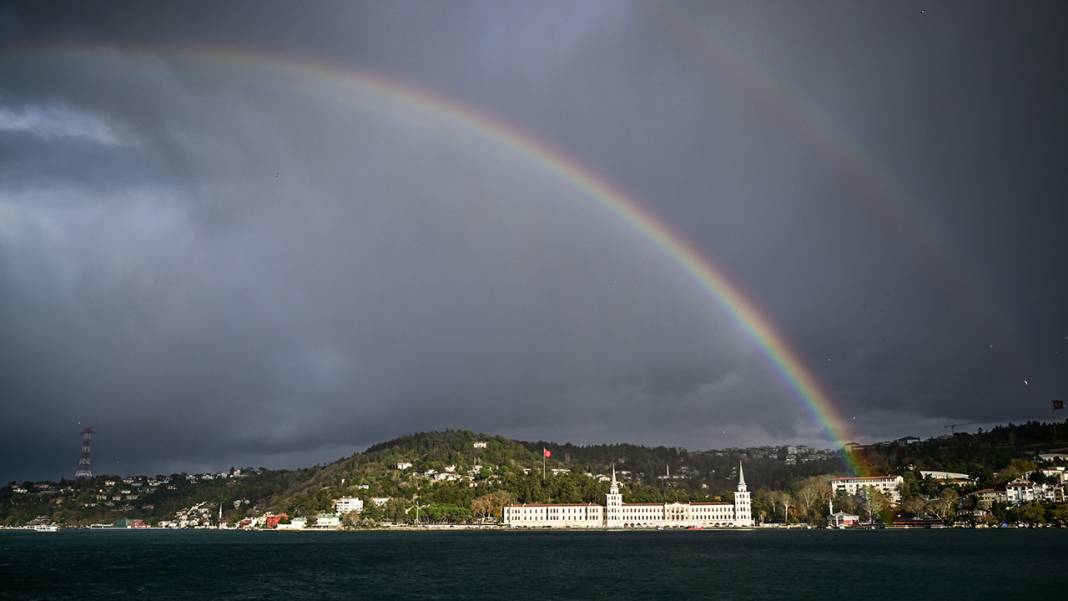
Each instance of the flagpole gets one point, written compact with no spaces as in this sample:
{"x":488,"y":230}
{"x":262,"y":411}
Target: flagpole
{"x":543,"y":465}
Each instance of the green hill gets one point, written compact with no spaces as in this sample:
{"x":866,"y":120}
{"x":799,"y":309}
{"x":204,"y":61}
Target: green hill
{"x":452,"y":478}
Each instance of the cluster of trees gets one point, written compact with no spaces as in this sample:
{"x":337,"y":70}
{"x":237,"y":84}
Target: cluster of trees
{"x":983,"y":455}
{"x":510,"y":470}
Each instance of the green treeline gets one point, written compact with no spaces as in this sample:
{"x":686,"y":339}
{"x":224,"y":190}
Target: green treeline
{"x":444,"y":477}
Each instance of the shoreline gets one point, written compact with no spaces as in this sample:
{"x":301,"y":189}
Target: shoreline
{"x":487,"y":528}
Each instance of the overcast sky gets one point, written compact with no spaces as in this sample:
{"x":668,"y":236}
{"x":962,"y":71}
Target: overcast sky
{"x":223,"y":262}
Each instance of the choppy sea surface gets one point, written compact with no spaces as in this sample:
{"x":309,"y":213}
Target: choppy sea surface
{"x":762,"y":564}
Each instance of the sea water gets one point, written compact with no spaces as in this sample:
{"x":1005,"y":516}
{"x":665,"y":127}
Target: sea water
{"x":540,"y":566}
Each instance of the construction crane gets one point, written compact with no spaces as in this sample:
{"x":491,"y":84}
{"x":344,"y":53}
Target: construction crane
{"x":953,"y":427}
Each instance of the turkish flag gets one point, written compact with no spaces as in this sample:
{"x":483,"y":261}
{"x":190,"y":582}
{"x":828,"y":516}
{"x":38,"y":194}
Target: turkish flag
{"x":546,"y":452}
{"x":1057,"y":404}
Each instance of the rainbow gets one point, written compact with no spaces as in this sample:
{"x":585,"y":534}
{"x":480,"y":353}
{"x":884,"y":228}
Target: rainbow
{"x":884,"y":194}
{"x":700,"y":269}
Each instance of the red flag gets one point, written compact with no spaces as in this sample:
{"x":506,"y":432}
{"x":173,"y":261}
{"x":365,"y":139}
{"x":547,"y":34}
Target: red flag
{"x":546,"y":452}
{"x":1057,"y":404}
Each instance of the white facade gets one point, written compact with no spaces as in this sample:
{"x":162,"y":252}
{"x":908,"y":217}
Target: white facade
{"x":1019,"y":492}
{"x":328,"y":520}
{"x":479,"y":444}
{"x":888,"y":485}
{"x":617,"y":514}
{"x":944,"y":475}
{"x":294,"y":524}
{"x":348,"y":505}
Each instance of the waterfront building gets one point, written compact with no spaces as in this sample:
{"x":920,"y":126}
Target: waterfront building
{"x":617,"y":514}
{"x":348,"y":505}
{"x":328,"y":521}
{"x":842,"y":519}
{"x":294,"y":524}
{"x":888,"y":485}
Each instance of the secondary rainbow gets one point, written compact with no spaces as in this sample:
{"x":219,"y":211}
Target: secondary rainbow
{"x":888,"y":196}
{"x":703,"y":272}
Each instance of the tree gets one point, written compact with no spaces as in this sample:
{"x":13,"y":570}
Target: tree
{"x":1058,"y":514}
{"x":945,"y":505}
{"x":1015,"y":469}
{"x":491,"y":505}
{"x":877,"y":505}
{"x":914,"y":505}
{"x":782,"y":500}
{"x":812,"y":495}
{"x":1032,"y":513}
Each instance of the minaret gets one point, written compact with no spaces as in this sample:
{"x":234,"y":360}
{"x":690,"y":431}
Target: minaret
{"x":613,"y":516}
{"x":743,"y":512}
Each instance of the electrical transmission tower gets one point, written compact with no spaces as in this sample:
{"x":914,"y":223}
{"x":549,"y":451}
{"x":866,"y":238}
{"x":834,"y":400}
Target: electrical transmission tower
{"x":85,"y":467}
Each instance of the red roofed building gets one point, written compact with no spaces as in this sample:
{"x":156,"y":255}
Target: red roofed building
{"x":271,"y":521}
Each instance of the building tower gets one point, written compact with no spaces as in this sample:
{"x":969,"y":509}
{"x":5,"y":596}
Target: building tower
{"x":85,"y":467}
{"x":613,"y":514}
{"x":743,"y":512}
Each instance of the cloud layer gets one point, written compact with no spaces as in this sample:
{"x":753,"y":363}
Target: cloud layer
{"x":223,"y":262}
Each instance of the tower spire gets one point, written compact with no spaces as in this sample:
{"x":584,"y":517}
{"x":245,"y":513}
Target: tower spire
{"x":741,"y":475}
{"x":85,"y":467}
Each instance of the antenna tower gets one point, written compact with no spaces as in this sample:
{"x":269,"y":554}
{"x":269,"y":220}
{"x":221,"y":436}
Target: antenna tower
{"x":85,"y":468}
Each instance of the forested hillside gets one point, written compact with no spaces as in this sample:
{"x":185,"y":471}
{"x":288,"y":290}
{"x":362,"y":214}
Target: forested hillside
{"x":461,"y":475}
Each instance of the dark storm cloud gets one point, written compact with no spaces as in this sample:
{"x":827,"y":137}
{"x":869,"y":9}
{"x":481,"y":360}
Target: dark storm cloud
{"x":221,"y":265}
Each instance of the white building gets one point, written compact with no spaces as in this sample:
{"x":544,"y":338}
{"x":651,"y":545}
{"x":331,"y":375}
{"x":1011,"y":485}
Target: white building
{"x":294,"y":524}
{"x":380,"y":501}
{"x":951,"y":478}
{"x":842,"y":519}
{"x":1023,"y":491}
{"x":617,"y":514}
{"x":888,"y":485}
{"x":348,"y":505}
{"x":403,"y":465}
{"x":944,"y":475}
{"x":479,"y":444}
{"x":328,"y":521}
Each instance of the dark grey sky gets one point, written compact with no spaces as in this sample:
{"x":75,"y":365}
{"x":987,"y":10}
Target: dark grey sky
{"x":219,"y":263}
